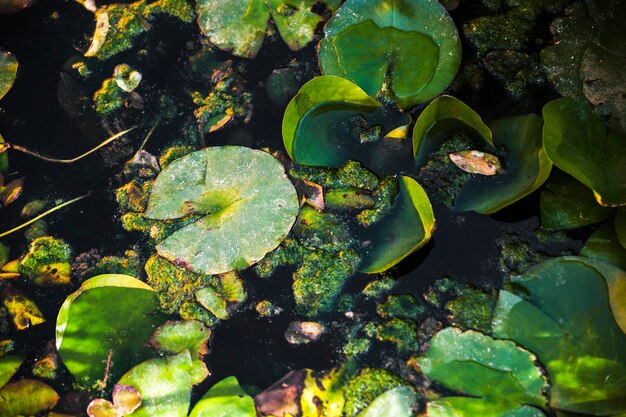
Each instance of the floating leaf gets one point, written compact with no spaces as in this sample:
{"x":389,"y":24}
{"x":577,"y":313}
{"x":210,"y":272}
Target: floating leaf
{"x":443,"y":117}
{"x":477,"y":365}
{"x":578,"y":143}
{"x":102,"y":327}
{"x":239,"y":26}
{"x":566,"y":203}
{"x":246,"y":201}
{"x":126,"y":78}
{"x":525,"y":162}
{"x":47,"y":262}
{"x":409,"y":49}
{"x":324,"y":101}
{"x":178,"y":336}
{"x":397,"y":402}
{"x":406,"y":228}
{"x":102,"y":408}
{"x":8,"y":71}
{"x":471,"y":407}
{"x":620,"y":226}
{"x":604,"y":244}
{"x":226,"y":398}
{"x":164,"y":385}
{"x":26,"y":397}
{"x":477,"y":162}
{"x":579,"y":337}
{"x":11,"y":192}
{"x":9,"y":364}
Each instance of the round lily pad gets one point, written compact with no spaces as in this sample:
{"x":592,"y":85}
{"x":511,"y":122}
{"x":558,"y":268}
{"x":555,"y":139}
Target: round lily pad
{"x":397,"y":402}
{"x":8,"y":71}
{"x":410,"y":48}
{"x":106,"y":321}
{"x":226,"y":398}
{"x":245,"y":201}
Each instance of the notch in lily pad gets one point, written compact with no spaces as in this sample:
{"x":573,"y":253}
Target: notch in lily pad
{"x":245,"y":205}
{"x":407,"y":50}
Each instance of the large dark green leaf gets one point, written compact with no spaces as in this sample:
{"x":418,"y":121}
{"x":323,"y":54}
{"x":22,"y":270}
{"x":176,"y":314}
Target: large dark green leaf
{"x":410,"y":49}
{"x":312,"y":116}
{"x":566,"y":203}
{"x":8,"y":71}
{"x":578,"y":143}
{"x":572,"y":316}
{"x":604,"y":244}
{"x":406,"y":228}
{"x":477,"y":365}
{"x":246,"y":201}
{"x":472,"y":407}
{"x":226,"y":398}
{"x":104,"y":325}
{"x":525,"y":162}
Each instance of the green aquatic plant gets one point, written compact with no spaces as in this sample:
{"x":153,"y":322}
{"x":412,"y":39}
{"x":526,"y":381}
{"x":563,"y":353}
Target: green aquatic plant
{"x":580,"y":338}
{"x":510,"y":382}
{"x":225,"y":398}
{"x":97,"y":342}
{"x":577,"y":141}
{"x":397,"y":402}
{"x":8,"y":71}
{"x":239,"y":26}
{"x":368,"y":385}
{"x":525,"y":164}
{"x":408,"y":51}
{"x":27,"y":397}
{"x":220,"y":185}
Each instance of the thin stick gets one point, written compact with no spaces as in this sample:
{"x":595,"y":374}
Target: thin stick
{"x":42,"y":215}
{"x":69,"y":161}
{"x":148,"y":135}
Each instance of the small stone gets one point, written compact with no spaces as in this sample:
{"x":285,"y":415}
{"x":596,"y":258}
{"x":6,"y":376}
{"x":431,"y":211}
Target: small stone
{"x":303,"y":332}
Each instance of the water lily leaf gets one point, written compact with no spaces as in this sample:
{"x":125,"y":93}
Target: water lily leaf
{"x":579,"y":338}
{"x":470,"y":407}
{"x":566,"y":203}
{"x":178,"y":336}
{"x":620,"y":226}
{"x":578,"y":143}
{"x":126,"y":398}
{"x":526,"y":167}
{"x":47,"y":262}
{"x":9,"y":364}
{"x":397,"y":402}
{"x":239,"y":26}
{"x":23,"y":311}
{"x":26,"y":397}
{"x":126,"y":78}
{"x":246,"y":201}
{"x":102,"y":408}
{"x":164,"y":385}
{"x":410,"y":49}
{"x":407,"y":227}
{"x":322,"y":102}
{"x":477,"y":365}
{"x":444,"y":116}
{"x":604,"y":244}
{"x":8,"y":71}
{"x":226,"y":398}
{"x":103,"y":326}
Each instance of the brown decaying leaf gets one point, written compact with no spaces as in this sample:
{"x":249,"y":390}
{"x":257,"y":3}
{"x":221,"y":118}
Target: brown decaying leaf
{"x":476,"y":162}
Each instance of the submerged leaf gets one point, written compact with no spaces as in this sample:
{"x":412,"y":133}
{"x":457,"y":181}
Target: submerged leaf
{"x":477,"y":162}
{"x":23,"y":311}
{"x":178,"y":336}
{"x":246,"y":201}
{"x":579,"y":338}
{"x":410,"y":50}
{"x":9,"y":364}
{"x":577,"y":142}
{"x":26,"y":397}
{"x":8,"y":71}
{"x":604,"y":244}
{"x":397,"y":402}
{"x":102,"y":327}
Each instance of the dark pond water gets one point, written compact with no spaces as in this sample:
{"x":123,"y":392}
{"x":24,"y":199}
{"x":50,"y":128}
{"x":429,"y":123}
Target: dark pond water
{"x":252,"y":348}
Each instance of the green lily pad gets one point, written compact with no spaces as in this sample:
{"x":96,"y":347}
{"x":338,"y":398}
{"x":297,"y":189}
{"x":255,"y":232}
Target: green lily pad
{"x":26,"y":397}
{"x":405,"y":229}
{"x":471,"y":407}
{"x":324,"y":101}
{"x":604,"y":244}
{"x":9,"y":364}
{"x":397,"y":402}
{"x":107,"y":320}
{"x":164,"y":385}
{"x":246,"y":201}
{"x":410,"y":49}
{"x":477,"y":365}
{"x":8,"y":71}
{"x":239,"y":26}
{"x":443,"y":117}
{"x":178,"y":336}
{"x":578,"y":143}
{"x":579,"y":337}
{"x":226,"y":398}
{"x":526,"y":167}
{"x":566,"y":203}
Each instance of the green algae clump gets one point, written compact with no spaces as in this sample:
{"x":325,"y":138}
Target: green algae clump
{"x":366,"y":386}
{"x":48,"y":262}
